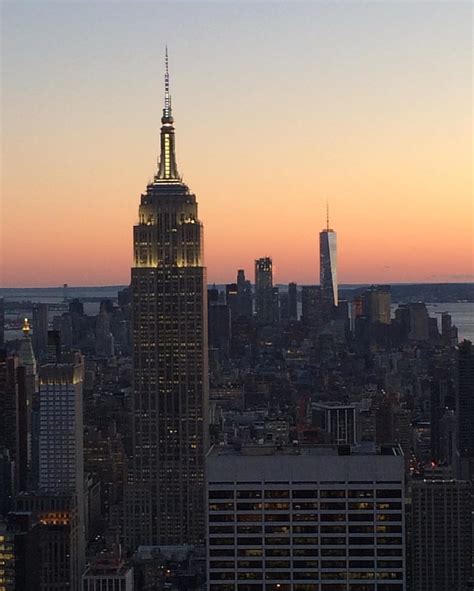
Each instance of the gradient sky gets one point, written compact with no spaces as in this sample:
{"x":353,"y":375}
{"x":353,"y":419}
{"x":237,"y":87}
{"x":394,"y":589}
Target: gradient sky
{"x":278,"y":107}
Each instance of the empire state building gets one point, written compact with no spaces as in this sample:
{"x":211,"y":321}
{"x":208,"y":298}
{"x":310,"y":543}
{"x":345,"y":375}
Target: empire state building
{"x":165,"y":499}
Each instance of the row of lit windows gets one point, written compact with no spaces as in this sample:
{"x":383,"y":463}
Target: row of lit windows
{"x":363,"y":517}
{"x":383,"y":493}
{"x":305,"y":587}
{"x":328,"y":576}
{"x":309,"y":540}
{"x":302,"y":564}
{"x":386,"y":553}
{"x":304,"y":506}
{"x":311,"y":529}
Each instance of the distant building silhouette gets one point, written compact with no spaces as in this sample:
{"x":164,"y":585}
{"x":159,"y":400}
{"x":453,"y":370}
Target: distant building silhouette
{"x":266,"y":296}
{"x":40,"y":330}
{"x":465,"y":410}
{"x":328,"y":269}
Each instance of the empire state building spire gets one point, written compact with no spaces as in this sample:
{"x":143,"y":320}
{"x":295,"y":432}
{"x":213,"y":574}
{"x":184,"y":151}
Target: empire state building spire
{"x":167,"y":167}
{"x":165,"y":502}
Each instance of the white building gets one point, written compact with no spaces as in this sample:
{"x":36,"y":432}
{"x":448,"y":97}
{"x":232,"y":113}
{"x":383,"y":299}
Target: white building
{"x":61,"y":456}
{"x":338,"y":420}
{"x":305,"y":519}
{"x":108,"y":573}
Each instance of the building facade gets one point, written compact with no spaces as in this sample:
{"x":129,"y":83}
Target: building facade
{"x":376,"y":304}
{"x":441,"y":536}
{"x":328,"y":268}
{"x":40,"y":330}
{"x":465,"y":411}
{"x":61,"y":456}
{"x":305,"y":519}
{"x":337,"y":420}
{"x":169,"y":319}
{"x":266,"y":296}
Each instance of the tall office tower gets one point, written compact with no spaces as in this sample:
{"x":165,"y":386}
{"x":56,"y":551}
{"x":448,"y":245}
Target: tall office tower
{"x":40,"y":330}
{"x":376,"y":304}
{"x":220,"y":328}
{"x":104,"y":340}
{"x":165,"y":504}
{"x":419,"y":322}
{"x":232,"y":299}
{"x":311,"y":304}
{"x":244,"y":290}
{"x":18,"y":385}
{"x":57,"y":540}
{"x":292,"y":301}
{"x":7,"y":481}
{"x":441,"y":538}
{"x":61,"y":461}
{"x":19,"y":553}
{"x":284,"y":311}
{"x":27,"y":391}
{"x":310,"y":518}
{"x":328,"y":269}
{"x":449,"y":332}
{"x":60,"y":437}
{"x":2,"y":323}
{"x":465,"y":411}
{"x":442,"y":402}
{"x":266,"y":299}
{"x":9,"y":444}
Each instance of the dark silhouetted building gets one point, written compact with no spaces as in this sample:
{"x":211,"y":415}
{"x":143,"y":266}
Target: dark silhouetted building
{"x":56,"y":537}
{"x":244,"y":289}
{"x":292,"y":301}
{"x":465,"y":410}
{"x":266,"y":296}
{"x":9,"y":424}
{"x":232,"y":299}
{"x":40,"y":330}
{"x":220,"y":327}
{"x":311,"y":306}
{"x":376,"y":304}
{"x":440,"y":536}
{"x":2,"y":323}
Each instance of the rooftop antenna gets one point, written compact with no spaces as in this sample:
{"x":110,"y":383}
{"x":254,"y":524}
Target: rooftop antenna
{"x":327,"y":214}
{"x":167,"y":84}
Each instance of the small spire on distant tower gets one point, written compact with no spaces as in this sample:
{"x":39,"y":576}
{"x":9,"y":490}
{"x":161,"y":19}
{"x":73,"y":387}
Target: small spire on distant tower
{"x":26,"y":328}
{"x":327,"y":215}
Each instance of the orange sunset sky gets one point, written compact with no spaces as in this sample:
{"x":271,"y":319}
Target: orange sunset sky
{"x":278,"y":107}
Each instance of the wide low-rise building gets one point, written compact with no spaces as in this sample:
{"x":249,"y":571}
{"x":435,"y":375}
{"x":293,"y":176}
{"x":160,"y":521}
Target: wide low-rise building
{"x":305,"y":518}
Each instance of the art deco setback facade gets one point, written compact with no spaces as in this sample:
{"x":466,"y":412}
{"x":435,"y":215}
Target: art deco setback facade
{"x":169,"y":308}
{"x":314,"y":518}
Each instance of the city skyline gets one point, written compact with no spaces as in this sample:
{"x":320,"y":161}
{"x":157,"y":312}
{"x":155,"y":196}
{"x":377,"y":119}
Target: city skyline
{"x":379,"y":122}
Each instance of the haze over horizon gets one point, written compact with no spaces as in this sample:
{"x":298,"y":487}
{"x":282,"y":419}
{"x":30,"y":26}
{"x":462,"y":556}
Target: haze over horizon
{"x":276,"y":111}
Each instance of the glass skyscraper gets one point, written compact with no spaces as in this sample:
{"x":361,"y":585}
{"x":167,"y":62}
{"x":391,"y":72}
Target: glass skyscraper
{"x":328,"y":267}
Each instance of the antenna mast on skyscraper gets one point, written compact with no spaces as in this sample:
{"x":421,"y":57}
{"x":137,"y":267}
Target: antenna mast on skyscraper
{"x":167,"y":84}
{"x":327,"y":214}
